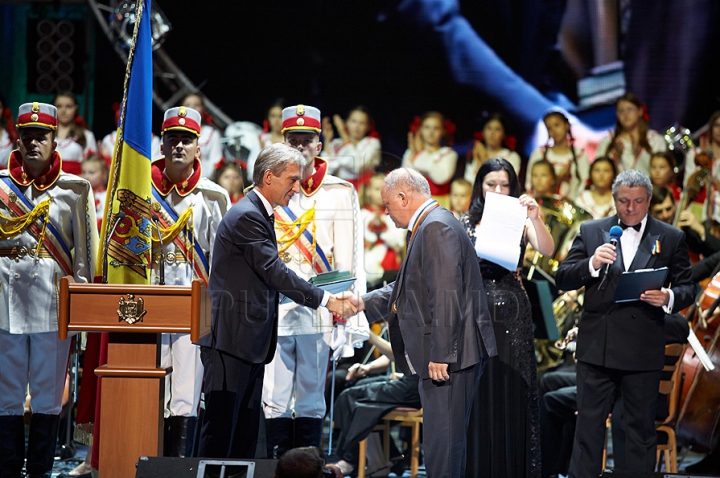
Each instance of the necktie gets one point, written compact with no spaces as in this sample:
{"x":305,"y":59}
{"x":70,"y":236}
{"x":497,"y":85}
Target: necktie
{"x":408,"y":235}
{"x":636,"y":226}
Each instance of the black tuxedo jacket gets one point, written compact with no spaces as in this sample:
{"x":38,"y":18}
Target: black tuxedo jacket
{"x":246,"y":277}
{"x":629,"y":335}
{"x":442,"y":314}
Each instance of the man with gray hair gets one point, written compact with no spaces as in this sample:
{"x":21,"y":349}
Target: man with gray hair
{"x":440,"y":328}
{"x":621,"y":345}
{"x":246,"y":279}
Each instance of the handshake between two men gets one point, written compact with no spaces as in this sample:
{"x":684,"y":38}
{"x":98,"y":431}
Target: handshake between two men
{"x":344,"y":305}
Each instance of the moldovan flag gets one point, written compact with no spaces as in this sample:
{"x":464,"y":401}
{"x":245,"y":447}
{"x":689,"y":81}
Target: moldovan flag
{"x":127,"y":226}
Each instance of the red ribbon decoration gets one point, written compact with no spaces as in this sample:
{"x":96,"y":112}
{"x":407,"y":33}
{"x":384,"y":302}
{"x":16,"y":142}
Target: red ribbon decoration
{"x":415,"y":125}
{"x":80,"y":122}
{"x":645,"y":115}
{"x":450,"y":129}
{"x":373,"y":132}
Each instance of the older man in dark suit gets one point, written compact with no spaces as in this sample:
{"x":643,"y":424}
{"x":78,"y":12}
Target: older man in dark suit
{"x":621,"y":345}
{"x":246,"y":279}
{"x":439,"y":324}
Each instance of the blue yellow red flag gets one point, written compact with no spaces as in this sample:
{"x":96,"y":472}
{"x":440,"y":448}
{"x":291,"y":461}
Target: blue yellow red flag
{"x":126,"y":237}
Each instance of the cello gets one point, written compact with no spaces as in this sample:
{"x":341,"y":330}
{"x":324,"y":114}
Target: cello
{"x":698,"y":424}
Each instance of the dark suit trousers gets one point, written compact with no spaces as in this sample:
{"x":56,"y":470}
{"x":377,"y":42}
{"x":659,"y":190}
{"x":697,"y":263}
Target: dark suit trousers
{"x":446,"y":413}
{"x":233,"y":393}
{"x":597,"y":387}
{"x":558,"y":404}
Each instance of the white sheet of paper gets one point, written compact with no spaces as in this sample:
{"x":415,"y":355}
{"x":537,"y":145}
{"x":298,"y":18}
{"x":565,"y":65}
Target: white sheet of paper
{"x":501,"y":229}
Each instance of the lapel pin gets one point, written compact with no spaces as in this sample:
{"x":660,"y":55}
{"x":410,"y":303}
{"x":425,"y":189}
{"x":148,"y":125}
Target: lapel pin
{"x":656,"y":247}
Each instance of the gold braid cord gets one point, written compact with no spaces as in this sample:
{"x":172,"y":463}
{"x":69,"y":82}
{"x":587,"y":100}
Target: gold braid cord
{"x":170,"y":233}
{"x":294,"y":229}
{"x":14,"y":226}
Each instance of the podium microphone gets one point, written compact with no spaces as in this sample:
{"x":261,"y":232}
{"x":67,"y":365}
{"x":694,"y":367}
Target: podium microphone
{"x":156,"y":221}
{"x":615,"y":234}
{"x":118,"y":217}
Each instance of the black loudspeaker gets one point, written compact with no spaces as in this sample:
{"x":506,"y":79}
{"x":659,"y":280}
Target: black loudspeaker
{"x":159,"y":467}
{"x":627,"y":474}
{"x":56,"y":55}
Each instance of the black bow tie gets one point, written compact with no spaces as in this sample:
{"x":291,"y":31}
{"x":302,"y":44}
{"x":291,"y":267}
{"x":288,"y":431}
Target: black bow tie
{"x":636,"y":226}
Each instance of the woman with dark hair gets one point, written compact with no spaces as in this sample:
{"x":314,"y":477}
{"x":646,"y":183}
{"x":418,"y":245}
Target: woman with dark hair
{"x":429,"y":153}
{"x":272,"y":125}
{"x":632,"y":142}
{"x":570,"y":162}
{"x":709,"y":143}
{"x":355,"y":152}
{"x":598,"y":199}
{"x":492,"y":142}
{"x":230,"y":177}
{"x":662,"y":172}
{"x":504,"y":431}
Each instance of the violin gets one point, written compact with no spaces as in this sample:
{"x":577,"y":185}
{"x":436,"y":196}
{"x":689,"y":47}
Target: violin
{"x":699,"y":180}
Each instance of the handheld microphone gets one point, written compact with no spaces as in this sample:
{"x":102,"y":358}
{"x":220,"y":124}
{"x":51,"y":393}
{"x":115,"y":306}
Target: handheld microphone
{"x":156,"y":221}
{"x":615,"y":233}
{"x":118,"y":217}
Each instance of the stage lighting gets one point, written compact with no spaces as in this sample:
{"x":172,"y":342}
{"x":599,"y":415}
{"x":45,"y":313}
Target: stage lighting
{"x":122,"y":21}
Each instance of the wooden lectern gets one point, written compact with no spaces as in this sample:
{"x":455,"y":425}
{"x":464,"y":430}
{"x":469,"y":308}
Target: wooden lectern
{"x":133,"y":385}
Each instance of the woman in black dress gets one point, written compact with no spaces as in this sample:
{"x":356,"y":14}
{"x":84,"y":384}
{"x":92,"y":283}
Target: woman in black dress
{"x":504,"y":431}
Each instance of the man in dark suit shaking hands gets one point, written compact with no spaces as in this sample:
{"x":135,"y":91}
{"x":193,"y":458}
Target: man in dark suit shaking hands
{"x":620,"y":346}
{"x":440,"y":328}
{"x":246,"y":279}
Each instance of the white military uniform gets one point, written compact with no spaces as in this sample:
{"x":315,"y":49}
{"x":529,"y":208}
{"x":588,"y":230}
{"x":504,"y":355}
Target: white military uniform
{"x":629,"y":159}
{"x":295,"y":379}
{"x":209,"y":203}
{"x":352,"y":162}
{"x":30,"y":351}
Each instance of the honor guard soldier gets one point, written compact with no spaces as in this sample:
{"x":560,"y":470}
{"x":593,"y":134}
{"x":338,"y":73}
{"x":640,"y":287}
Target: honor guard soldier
{"x":319,"y":231}
{"x":187,"y":209}
{"x":47,"y":231}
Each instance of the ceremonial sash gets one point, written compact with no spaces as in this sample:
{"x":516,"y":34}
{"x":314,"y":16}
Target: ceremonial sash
{"x":52,"y":241}
{"x":411,"y":234}
{"x":304,"y":242}
{"x":168,"y":217}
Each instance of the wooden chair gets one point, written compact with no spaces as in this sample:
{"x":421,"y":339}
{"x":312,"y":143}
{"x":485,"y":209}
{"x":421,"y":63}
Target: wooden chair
{"x":670,"y":387}
{"x":407,"y":417}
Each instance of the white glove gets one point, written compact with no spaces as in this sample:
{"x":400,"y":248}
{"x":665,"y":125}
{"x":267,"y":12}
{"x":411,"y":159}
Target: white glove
{"x":338,"y":340}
